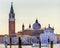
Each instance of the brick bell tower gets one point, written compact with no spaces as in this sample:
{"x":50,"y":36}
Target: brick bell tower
{"x":12,"y":21}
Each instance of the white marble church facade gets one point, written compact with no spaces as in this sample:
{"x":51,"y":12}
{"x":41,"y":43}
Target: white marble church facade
{"x":48,"y":36}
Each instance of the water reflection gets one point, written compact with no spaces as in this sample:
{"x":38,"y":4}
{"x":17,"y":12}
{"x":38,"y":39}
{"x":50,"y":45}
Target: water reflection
{"x":28,"y":46}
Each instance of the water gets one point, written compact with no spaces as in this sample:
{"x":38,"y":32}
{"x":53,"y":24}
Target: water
{"x":28,"y":46}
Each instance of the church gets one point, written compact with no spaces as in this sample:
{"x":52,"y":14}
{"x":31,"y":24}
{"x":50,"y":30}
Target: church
{"x":34,"y":33}
{"x":30,"y":32}
{"x":48,"y":35}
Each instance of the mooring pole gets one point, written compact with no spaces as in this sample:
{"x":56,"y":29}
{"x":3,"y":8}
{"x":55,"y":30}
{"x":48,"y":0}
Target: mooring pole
{"x":51,"y":45}
{"x":10,"y":42}
{"x":39,"y":44}
{"x":19,"y":43}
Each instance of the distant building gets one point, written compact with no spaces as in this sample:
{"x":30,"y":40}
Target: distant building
{"x":11,"y":21}
{"x":33,"y":32}
{"x":48,"y":35}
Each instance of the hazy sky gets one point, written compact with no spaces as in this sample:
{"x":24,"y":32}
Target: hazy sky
{"x":26,"y":11}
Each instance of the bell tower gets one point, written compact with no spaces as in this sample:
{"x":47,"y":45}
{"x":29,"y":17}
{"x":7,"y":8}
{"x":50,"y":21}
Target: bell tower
{"x":11,"y":21}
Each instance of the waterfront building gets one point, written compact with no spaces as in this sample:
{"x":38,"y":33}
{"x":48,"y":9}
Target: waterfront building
{"x":34,"y":32}
{"x":48,"y":35}
{"x":12,"y":21}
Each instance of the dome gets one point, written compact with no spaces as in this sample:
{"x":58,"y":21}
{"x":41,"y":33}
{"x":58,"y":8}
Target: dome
{"x":36,"y":25}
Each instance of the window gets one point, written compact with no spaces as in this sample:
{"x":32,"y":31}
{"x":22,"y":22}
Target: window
{"x":13,"y":16}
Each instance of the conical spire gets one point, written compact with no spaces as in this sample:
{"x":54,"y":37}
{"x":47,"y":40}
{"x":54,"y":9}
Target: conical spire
{"x":11,"y":9}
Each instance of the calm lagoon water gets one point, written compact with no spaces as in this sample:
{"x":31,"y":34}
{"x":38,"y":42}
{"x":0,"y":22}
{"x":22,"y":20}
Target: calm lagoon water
{"x":28,"y":46}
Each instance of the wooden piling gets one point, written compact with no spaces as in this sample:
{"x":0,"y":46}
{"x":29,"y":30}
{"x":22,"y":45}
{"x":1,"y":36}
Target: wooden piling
{"x":19,"y":43}
{"x":10,"y":42}
{"x":39,"y":44}
{"x":51,"y":45}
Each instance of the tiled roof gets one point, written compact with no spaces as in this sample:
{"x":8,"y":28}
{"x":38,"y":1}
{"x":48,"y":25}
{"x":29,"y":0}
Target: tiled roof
{"x":30,"y":32}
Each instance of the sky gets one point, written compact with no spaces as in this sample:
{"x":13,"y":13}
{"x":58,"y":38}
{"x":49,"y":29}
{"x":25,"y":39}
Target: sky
{"x":27,"y":11}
